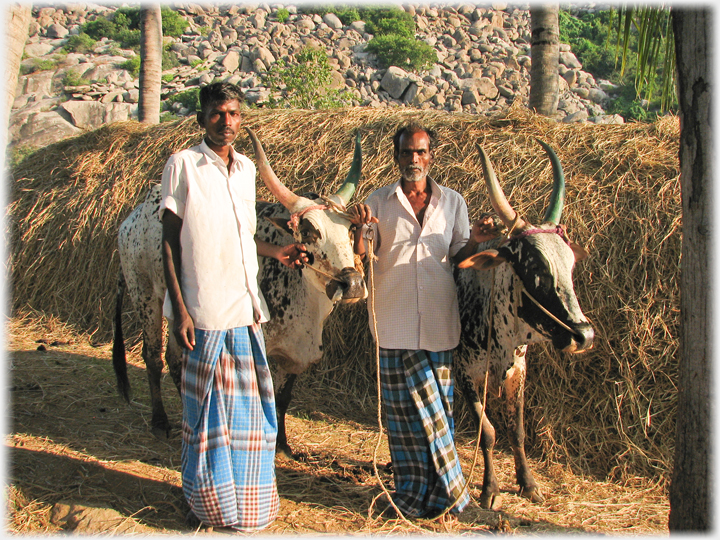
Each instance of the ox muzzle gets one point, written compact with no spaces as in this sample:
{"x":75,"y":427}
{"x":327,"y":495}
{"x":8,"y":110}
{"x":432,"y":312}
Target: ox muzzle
{"x":580,"y":340}
{"x":347,"y":287}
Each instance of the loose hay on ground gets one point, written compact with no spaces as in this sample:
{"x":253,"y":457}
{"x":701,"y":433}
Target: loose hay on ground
{"x":609,"y":412}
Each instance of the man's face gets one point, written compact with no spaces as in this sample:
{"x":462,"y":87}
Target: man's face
{"x":221,"y":122}
{"x":414,"y":156}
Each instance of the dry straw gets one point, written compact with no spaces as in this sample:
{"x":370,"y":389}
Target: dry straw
{"x":608,"y":412}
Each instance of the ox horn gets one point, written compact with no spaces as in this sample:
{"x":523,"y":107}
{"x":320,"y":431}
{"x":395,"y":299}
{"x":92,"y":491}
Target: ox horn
{"x":347,"y":190}
{"x":497,"y":197}
{"x":557,"y":199}
{"x":286,"y":197}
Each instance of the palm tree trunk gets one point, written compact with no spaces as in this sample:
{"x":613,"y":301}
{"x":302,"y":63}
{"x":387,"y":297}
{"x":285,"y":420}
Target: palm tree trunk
{"x":150,"y":64}
{"x":18,"y":21}
{"x":545,"y":53}
{"x":692,"y":478}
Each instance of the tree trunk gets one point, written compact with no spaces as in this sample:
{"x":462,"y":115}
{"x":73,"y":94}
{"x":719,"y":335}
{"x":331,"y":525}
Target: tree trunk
{"x":690,"y":503}
{"x":150,"y":64}
{"x":545,"y":53}
{"x":18,"y":21}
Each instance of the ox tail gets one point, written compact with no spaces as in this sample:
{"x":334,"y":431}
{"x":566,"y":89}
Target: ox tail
{"x":118,"y":356}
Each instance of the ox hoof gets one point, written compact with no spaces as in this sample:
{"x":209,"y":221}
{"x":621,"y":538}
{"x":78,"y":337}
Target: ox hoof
{"x":533,"y":494}
{"x":490,"y":501}
{"x":160,"y":432}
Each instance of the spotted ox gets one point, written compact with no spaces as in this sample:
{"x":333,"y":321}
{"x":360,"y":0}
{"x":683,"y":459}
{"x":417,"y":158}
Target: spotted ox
{"x":511,"y":293}
{"x":299,"y":301}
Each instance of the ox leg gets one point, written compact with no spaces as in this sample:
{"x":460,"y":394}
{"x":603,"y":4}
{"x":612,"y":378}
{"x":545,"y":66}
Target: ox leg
{"x":283,"y":395}
{"x":490,"y":497}
{"x":152,"y":354}
{"x":514,"y":387}
{"x":173,"y":359}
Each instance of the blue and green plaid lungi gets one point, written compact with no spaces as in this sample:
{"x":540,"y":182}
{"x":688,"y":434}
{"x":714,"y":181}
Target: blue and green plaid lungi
{"x":417,"y":391}
{"x":229,"y":429}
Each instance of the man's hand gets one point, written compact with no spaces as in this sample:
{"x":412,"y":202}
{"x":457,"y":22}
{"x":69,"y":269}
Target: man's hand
{"x":484,"y":229}
{"x":184,"y":330}
{"x":293,"y":256}
{"x":360,"y":214}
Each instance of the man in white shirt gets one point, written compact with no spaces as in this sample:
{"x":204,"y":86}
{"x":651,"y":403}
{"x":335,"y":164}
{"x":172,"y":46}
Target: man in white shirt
{"x":421,"y":228}
{"x":215,"y":309}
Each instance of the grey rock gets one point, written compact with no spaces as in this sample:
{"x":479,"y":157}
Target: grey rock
{"x":93,"y":114}
{"x":35,"y":50}
{"x":570,"y":60}
{"x":40,"y":129}
{"x":358,"y":26}
{"x":579,"y":116}
{"x":596,"y":95}
{"x":231,"y":61}
{"x":56,"y":31}
{"x":333,"y":21}
{"x":395,"y":81}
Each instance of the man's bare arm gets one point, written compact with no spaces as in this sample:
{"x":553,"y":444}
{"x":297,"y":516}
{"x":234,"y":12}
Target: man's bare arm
{"x":183,"y":327}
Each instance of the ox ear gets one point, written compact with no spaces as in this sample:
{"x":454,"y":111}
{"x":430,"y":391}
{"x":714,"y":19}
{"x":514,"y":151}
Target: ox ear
{"x":580,"y":252}
{"x":280,"y":223}
{"x":485,"y":260}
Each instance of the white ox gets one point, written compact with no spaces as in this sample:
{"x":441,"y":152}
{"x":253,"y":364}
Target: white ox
{"x":532,"y":268}
{"x":299,"y":300}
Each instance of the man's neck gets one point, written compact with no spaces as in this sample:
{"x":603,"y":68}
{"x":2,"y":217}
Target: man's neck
{"x":421,"y":186}
{"x":224,"y":151}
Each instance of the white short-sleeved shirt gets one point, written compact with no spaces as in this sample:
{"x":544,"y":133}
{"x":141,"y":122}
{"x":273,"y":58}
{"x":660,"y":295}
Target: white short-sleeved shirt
{"x":219,"y":266}
{"x":415,"y":296}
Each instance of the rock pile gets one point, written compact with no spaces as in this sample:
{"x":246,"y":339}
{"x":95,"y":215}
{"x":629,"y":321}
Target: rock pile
{"x":483,"y":65}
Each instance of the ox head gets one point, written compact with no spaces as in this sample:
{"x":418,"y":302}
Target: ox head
{"x":542,"y":258}
{"x":323,"y":226}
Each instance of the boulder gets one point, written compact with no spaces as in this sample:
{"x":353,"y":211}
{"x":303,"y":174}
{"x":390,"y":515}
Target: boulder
{"x":231,"y":61}
{"x":333,"y":21}
{"x":40,"y":129}
{"x":93,"y":114}
{"x":395,"y":81}
{"x":57,"y":31}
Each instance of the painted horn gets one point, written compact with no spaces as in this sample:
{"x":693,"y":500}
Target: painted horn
{"x":497,"y":197}
{"x":286,"y":197}
{"x":557,"y":198}
{"x":347,"y":190}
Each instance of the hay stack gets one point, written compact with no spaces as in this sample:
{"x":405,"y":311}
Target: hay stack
{"x":608,"y":412}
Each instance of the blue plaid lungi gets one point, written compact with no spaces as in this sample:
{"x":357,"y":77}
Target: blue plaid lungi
{"x":417,"y":391}
{"x":229,"y":429}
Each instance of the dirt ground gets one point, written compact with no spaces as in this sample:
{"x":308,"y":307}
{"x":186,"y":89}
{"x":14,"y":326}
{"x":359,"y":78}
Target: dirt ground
{"x":74,"y":448}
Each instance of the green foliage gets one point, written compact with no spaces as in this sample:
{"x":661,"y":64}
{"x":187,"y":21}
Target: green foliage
{"x":627,"y":105}
{"x":132,"y":65}
{"x":168,"y":77}
{"x":170,"y":59}
{"x":610,"y":46}
{"x":190,"y":99}
{"x":18,"y":155}
{"x":173,"y":24}
{"x":387,"y":21}
{"x":73,"y":78}
{"x":305,"y":83}
{"x":282,"y":15}
{"x":99,"y":28}
{"x":655,"y":69}
{"x":401,"y":51}
{"x":38,"y":64}
{"x":80,"y":43}
{"x":125,"y":26}
{"x":168,"y":116}
{"x":196,"y":63}
{"x":588,"y":36}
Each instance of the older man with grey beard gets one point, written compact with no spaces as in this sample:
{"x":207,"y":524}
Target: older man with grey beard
{"x":420,"y":229}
